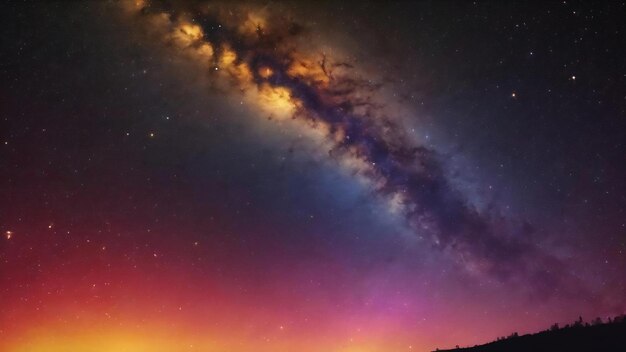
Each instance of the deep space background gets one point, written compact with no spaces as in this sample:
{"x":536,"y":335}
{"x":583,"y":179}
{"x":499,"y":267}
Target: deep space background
{"x":192,"y":177}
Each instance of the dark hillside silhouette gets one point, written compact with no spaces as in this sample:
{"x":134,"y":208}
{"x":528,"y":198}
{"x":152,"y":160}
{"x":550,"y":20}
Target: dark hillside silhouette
{"x":577,"y":337}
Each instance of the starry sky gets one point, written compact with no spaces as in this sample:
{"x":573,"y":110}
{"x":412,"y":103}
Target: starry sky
{"x":312,"y":176}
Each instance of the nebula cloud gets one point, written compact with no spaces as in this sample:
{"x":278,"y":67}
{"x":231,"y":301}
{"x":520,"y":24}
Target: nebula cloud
{"x":264,"y":56}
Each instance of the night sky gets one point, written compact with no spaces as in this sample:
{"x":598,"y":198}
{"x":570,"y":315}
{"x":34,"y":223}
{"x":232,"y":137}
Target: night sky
{"x":308,"y":176}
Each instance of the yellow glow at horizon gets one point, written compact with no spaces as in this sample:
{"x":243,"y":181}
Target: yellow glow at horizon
{"x":114,"y":341}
